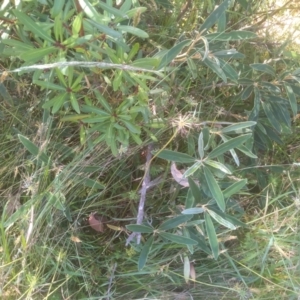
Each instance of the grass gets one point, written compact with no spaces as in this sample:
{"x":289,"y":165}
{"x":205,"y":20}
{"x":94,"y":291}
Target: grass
{"x":49,"y":250}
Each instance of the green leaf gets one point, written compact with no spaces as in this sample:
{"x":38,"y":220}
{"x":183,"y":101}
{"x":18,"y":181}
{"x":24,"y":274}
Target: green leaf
{"x":178,"y":239}
{"x":231,"y":219}
{"x":134,"y":31}
{"x":201,"y":145}
{"x":270,"y":115}
{"x":220,"y":220}
{"x":212,"y":236}
{"x":172,"y":53}
{"x":132,"y":127}
{"x":215,"y":68}
{"x":49,"y":85}
{"x":33,"y":149}
{"x":59,"y":101}
{"x":105,"y":29}
{"x":246,"y":151}
{"x":89,"y":9}
{"x":234,"y":188}
{"x":194,"y":189}
{"x":230,"y":144}
{"x":217,"y":165}
{"x":186,"y":268}
{"x":146,"y":63}
{"x":32,"y":26}
{"x":189,"y":201}
{"x":140,"y":228}
{"x":35,"y":55}
{"x":229,"y":70}
{"x":263,"y":68}
{"x":144,"y":253}
{"x":93,"y":109}
{"x":238,"y":126}
{"x":74,"y":103}
{"x":175,"y":156}
{"x":214,"y":188}
{"x":95,"y":184}
{"x":193,"y":211}
{"x":229,"y":54}
{"x":112,"y":10}
{"x":214,"y":16}
{"x":231,"y":36}
{"x":247,"y":92}
{"x":173,"y":223}
{"x":191,"y":170}
{"x":292,"y":99}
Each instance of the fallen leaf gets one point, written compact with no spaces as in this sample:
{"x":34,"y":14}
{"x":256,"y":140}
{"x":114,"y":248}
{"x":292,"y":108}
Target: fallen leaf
{"x":178,"y":176}
{"x":97,"y":222}
{"x":75,"y":239}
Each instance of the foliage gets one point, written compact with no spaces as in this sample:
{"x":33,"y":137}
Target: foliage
{"x":106,"y":85}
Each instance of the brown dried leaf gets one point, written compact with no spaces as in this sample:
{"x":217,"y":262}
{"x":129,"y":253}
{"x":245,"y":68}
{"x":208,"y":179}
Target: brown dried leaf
{"x":177,"y":175}
{"x":192,"y":272}
{"x":97,"y":222}
{"x":75,"y":239}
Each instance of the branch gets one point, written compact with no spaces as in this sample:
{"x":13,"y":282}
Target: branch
{"x":143,"y":191}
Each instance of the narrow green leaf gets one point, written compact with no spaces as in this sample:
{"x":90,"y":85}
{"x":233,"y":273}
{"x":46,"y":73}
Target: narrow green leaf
{"x":232,"y":143}
{"x":33,"y":149}
{"x":247,"y":92}
{"x":191,"y":170}
{"x":229,"y":70}
{"x":263,"y":68}
{"x":172,"y":53}
{"x":220,"y":220}
{"x":238,"y":126}
{"x":140,"y":228}
{"x":57,"y":7}
{"x":214,"y":16}
{"x":212,"y":236}
{"x":146,"y":63}
{"x":217,"y":165}
{"x":201,"y":145}
{"x":174,"y":222}
{"x":59,"y":101}
{"x":193,"y":211}
{"x":229,"y":218}
{"x":234,"y":188}
{"x":35,"y":55}
{"x":98,"y":119}
{"x":105,"y":29}
{"x":132,"y":127}
{"x":231,"y":36}
{"x":49,"y":85}
{"x":74,"y":103}
{"x":246,"y":151}
{"x":214,"y":188}
{"x":95,"y":184}
{"x":215,"y":68}
{"x":32,"y":26}
{"x":270,"y":115}
{"x":194,"y":188}
{"x":134,"y":31}
{"x":93,"y":109}
{"x":177,"y":238}
{"x":189,"y":201}
{"x":186,"y":268}
{"x":114,"y":11}
{"x":145,"y":252}
{"x":292,"y":99}
{"x":89,"y":9}
{"x":175,"y":156}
